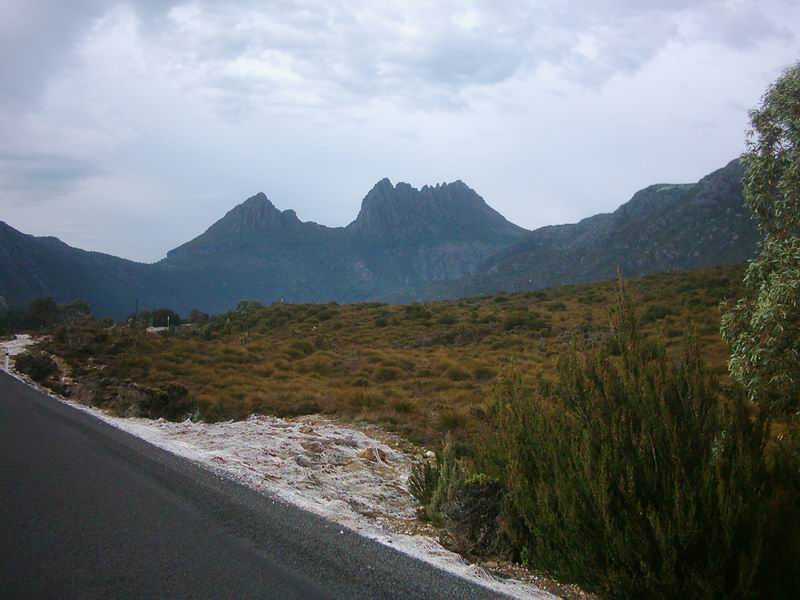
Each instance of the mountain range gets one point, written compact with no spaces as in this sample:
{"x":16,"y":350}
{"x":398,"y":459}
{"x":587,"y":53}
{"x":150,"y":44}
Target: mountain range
{"x":405,"y":244}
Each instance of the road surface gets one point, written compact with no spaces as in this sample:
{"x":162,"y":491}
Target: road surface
{"x":89,"y":511}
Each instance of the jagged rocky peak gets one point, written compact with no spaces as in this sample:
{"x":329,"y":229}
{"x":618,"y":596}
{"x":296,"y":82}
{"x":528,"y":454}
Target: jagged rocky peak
{"x":255,"y":219}
{"x":402,"y":213}
{"x":256,"y":214}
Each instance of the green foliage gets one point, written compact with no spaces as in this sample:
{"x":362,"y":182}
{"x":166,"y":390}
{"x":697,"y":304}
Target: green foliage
{"x":471,"y":513}
{"x":467,"y":506}
{"x":656,"y":312}
{"x":384,"y":374}
{"x":160,"y":317}
{"x":417,"y":311}
{"x":629,"y":476}
{"x":423,"y":480}
{"x":198,"y":317}
{"x":170,"y":402}
{"x":451,"y":475}
{"x":38,"y":365}
{"x":524,"y":320}
{"x":41,"y":314}
{"x":764,"y":331}
{"x":301,"y":347}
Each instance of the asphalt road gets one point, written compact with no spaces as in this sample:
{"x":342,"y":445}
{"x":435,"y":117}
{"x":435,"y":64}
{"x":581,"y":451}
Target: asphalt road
{"x":88,"y":511}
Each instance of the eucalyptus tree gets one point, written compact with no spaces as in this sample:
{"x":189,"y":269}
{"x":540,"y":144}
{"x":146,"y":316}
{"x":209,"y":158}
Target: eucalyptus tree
{"x":764,"y":330}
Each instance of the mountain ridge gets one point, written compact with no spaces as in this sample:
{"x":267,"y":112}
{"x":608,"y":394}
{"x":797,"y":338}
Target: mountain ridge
{"x":405,"y":243}
{"x":663,"y":227}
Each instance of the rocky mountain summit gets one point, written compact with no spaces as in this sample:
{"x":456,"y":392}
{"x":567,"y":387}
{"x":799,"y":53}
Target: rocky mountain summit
{"x":401,"y":237}
{"x":405,"y":244}
{"x":401,"y":214}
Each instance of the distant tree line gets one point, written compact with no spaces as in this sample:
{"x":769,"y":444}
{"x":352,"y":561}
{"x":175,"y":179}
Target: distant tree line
{"x":42,"y":313}
{"x":166,"y":317}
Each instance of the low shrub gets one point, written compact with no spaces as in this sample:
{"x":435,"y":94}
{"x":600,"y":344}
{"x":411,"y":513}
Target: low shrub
{"x":471,"y":511}
{"x":299,"y":348}
{"x":656,"y":312}
{"x":456,"y":373}
{"x":423,"y":480}
{"x":170,"y":402}
{"x":524,"y":320}
{"x":484,"y":373}
{"x":451,"y":420}
{"x":417,"y":312}
{"x":448,"y":319}
{"x":325,"y":314}
{"x":384,"y":374}
{"x":632,"y":479}
{"x":403,"y":406}
{"x":37,"y":365}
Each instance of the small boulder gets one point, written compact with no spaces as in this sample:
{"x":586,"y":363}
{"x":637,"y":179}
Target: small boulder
{"x":373,"y":454}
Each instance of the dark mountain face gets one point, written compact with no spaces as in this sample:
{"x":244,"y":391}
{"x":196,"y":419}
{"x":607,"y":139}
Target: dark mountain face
{"x":402,"y":237}
{"x":32,"y":267}
{"x":441,"y":240}
{"x":662,"y":228}
{"x":395,"y":215}
{"x":252,"y":225}
{"x":409,"y":237}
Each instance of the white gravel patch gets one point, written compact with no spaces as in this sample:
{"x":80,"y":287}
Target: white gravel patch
{"x":18,"y":345}
{"x":313,"y":463}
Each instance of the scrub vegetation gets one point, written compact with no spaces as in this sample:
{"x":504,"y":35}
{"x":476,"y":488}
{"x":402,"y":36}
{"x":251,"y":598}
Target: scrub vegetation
{"x":422,"y":370}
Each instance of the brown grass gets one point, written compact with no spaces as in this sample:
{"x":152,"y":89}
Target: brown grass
{"x":421,"y":369}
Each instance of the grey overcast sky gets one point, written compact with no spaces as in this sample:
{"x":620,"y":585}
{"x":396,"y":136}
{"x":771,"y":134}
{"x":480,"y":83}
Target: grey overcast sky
{"x":129,"y":127}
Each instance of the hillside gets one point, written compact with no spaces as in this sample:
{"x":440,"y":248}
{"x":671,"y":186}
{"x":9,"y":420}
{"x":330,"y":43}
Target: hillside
{"x":664,"y":227}
{"x":32,"y":267}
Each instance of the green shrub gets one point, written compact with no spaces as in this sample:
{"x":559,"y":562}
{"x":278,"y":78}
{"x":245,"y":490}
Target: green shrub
{"x":362,"y":399}
{"x":450,"y":475}
{"x":325,"y":314}
{"x":450,"y":420}
{"x":301,"y":348}
{"x":447,"y":318}
{"x":471,"y":513}
{"x":384,"y":374}
{"x":417,"y":311}
{"x":656,"y":312}
{"x":484,"y":373}
{"x":37,"y":365}
{"x":456,"y":373}
{"x":423,"y":480}
{"x":403,"y":406}
{"x":524,"y":320}
{"x":170,"y":402}
{"x":630,"y":478}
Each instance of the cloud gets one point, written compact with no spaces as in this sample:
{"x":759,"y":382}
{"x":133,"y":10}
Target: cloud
{"x":36,"y":178}
{"x":171,"y":111}
{"x":313,"y":54}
